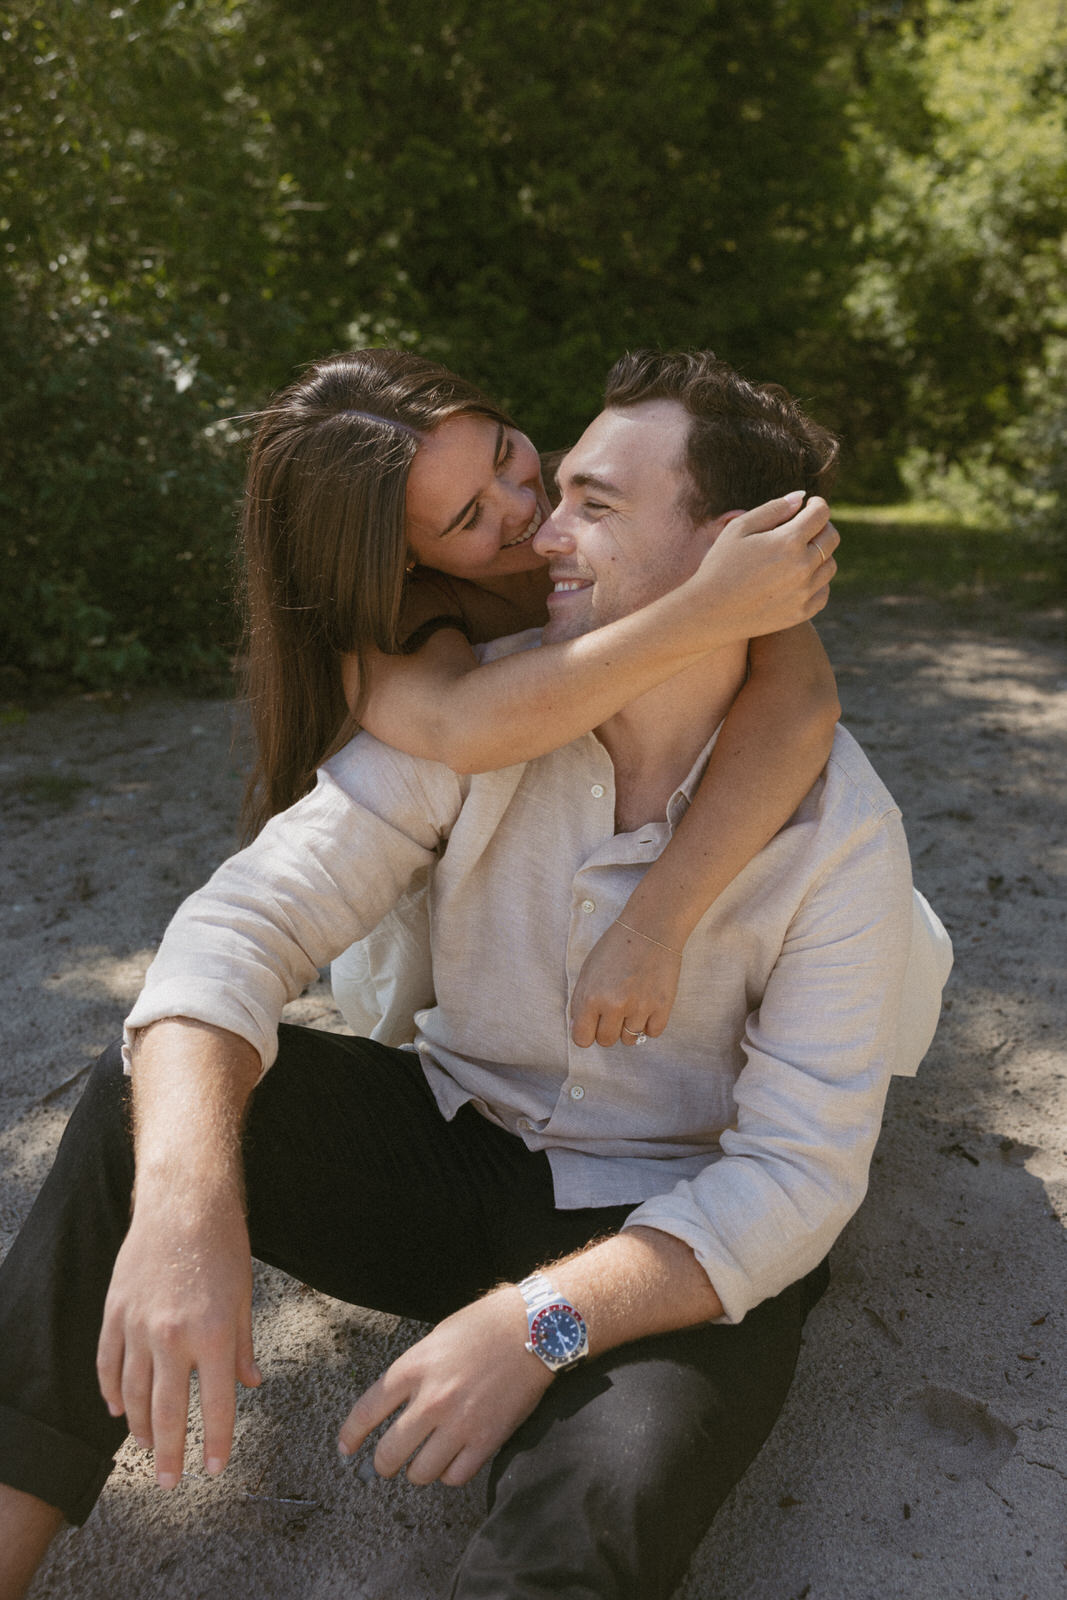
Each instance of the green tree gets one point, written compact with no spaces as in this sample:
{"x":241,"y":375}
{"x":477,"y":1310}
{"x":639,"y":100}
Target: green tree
{"x":528,"y":189}
{"x":133,"y":198}
{"x":198,"y":195}
{"x":963,"y":281}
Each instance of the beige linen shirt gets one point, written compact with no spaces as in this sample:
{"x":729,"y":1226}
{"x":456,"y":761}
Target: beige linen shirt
{"x":745,"y":1130}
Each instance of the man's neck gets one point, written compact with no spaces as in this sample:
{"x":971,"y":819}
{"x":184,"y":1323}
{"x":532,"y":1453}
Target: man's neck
{"x":654,"y":741}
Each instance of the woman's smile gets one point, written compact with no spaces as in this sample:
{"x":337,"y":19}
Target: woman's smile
{"x":529,"y":531}
{"x":475,"y":500}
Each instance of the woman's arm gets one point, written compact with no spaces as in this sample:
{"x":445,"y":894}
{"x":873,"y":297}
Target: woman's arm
{"x":759,"y":577}
{"x":771,"y":748}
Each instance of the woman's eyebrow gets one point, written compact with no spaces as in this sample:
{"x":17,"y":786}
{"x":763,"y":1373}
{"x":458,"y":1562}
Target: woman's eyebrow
{"x":458,"y":518}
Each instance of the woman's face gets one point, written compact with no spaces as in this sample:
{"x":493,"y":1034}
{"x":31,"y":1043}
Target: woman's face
{"x":475,"y":500}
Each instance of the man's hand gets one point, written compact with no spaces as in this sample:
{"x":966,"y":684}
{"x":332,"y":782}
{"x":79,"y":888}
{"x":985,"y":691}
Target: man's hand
{"x":465,"y":1388}
{"x":468,"y":1385}
{"x":181,"y":1293}
{"x":626,"y":987}
{"x":180,"y":1300}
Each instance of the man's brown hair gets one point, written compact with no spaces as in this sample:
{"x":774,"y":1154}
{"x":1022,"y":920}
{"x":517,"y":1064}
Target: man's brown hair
{"x":748,"y":442}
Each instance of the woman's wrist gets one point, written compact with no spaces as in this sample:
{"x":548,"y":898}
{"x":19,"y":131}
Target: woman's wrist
{"x":660,"y":918}
{"x":670,"y":949}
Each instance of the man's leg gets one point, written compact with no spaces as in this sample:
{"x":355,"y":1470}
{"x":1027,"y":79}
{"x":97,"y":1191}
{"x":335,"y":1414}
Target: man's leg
{"x":610,"y":1486}
{"x":358,"y":1187}
{"x":56,"y":1440}
{"x":56,"y":1437}
{"x":355,"y":1184}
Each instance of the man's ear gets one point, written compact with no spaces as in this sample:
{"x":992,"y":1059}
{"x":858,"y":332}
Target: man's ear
{"x":715,"y":525}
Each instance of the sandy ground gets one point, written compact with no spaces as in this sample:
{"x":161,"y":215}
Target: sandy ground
{"x":923,"y":1451}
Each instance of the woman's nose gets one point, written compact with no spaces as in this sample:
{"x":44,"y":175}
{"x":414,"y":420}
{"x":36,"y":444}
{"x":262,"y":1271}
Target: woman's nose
{"x":520,"y":502}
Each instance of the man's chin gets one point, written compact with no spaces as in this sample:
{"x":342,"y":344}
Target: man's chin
{"x":557,"y":630}
{"x":571,"y":614}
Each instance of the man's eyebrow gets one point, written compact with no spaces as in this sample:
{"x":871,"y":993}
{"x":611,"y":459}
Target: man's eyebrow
{"x":589,"y":480}
{"x":458,"y":518}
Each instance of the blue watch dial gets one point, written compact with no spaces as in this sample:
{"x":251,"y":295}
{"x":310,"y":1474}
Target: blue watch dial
{"x":558,"y":1331}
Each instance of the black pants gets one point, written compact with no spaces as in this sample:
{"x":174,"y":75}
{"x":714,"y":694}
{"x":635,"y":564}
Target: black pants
{"x":357,"y":1186}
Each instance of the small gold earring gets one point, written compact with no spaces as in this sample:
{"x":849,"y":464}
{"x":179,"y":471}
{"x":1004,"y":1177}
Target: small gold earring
{"x":409,"y":565}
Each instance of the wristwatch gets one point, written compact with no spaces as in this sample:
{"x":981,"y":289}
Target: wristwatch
{"x":557,"y":1330}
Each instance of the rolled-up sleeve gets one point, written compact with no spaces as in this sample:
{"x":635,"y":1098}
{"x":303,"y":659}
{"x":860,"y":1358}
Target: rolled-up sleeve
{"x":819,"y":1052}
{"x":318,"y":877}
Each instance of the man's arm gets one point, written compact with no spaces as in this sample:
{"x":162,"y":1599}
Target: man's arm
{"x":181,"y":1292}
{"x":468,"y":1385}
{"x":200,"y":1036}
{"x":819,"y":1052}
{"x":320,"y":876}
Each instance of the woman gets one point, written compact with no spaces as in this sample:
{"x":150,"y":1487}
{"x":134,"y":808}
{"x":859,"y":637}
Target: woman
{"x":388,"y":527}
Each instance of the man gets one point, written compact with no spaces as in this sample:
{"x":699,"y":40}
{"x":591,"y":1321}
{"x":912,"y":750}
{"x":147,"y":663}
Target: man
{"x":618,"y":1246}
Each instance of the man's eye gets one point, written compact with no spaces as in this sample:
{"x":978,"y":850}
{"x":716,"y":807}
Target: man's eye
{"x":596,"y":505}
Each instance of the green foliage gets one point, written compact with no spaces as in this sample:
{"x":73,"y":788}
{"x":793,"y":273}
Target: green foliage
{"x":523,"y":189}
{"x":123,"y":228}
{"x":196,"y":196}
{"x":116,"y":505}
{"x":962,"y":284}
{"x":529,"y":189}
{"x":223,"y":189}
{"x":137,"y":171}
{"x":926,"y":550}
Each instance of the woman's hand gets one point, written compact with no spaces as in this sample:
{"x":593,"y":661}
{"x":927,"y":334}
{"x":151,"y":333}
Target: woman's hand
{"x":769,"y":569}
{"x":626,"y":987}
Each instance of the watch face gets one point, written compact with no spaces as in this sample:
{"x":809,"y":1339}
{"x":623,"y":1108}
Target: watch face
{"x":558,"y":1332}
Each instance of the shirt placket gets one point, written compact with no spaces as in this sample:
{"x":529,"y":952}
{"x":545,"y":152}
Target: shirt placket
{"x":599,"y":890}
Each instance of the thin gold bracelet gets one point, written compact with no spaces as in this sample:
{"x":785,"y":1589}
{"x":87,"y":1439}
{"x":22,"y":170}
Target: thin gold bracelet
{"x":649,"y":937}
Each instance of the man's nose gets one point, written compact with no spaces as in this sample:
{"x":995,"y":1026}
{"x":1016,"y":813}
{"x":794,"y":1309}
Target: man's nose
{"x":552,"y":537}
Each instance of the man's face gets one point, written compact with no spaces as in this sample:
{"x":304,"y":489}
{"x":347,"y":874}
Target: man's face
{"x":620,"y":536}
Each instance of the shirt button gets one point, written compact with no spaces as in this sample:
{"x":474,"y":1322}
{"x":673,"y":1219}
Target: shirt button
{"x":588,"y":905}
{"x":577,"y":1093}
{"x":597,"y":791}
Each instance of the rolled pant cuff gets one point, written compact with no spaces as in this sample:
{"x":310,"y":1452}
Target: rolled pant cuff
{"x":56,"y":1467}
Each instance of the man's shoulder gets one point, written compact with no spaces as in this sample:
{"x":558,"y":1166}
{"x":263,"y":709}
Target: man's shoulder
{"x":383,"y":779}
{"x":850,"y":795}
{"x":847,"y":832}
{"x":512,"y":644}
{"x":850,"y":766}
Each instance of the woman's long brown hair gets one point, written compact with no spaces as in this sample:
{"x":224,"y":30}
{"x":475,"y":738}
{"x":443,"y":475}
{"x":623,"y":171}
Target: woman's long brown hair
{"x":323,"y":533}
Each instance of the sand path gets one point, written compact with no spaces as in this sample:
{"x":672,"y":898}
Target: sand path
{"x":923,"y":1452}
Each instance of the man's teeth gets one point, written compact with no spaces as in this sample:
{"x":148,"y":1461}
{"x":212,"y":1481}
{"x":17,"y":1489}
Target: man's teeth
{"x":527,"y":533}
{"x":565,"y":585}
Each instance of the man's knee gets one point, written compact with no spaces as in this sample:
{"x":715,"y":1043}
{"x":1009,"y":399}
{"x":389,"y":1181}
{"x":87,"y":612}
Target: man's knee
{"x":108,"y":1076}
{"x":99,"y":1131}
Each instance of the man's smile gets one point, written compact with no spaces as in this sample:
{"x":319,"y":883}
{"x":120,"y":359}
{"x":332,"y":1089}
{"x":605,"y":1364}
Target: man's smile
{"x":568,"y":582}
